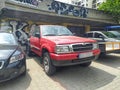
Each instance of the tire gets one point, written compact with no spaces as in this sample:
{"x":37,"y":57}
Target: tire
{"x":28,"y":50}
{"x":49,"y":68}
{"x":103,"y":54}
{"x":86,"y":64}
{"x":24,"y":73}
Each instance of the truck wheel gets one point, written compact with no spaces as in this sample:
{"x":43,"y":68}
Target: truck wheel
{"x":103,"y":54}
{"x":86,"y":64}
{"x":49,"y":68}
{"x":28,"y":50}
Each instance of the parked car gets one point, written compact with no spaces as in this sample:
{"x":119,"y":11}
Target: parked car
{"x":108,"y":41}
{"x":12,"y":57}
{"x":58,"y":47}
{"x":102,"y":36}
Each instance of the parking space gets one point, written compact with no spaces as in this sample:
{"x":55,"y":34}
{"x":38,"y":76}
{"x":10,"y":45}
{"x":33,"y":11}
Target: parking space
{"x":103,"y":74}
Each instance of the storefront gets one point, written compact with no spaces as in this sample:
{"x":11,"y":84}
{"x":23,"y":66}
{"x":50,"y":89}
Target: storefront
{"x":19,"y":15}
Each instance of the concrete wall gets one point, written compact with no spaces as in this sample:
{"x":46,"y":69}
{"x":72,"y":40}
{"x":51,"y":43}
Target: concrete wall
{"x":2,"y":4}
{"x":60,"y":9}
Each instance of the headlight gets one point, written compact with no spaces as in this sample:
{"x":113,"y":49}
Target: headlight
{"x":95,"y":46}
{"x":16,"y":57}
{"x":62,"y":49}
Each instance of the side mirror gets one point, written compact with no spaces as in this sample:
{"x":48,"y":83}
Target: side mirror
{"x":74,"y":34}
{"x":37,"y":35}
{"x":100,"y":36}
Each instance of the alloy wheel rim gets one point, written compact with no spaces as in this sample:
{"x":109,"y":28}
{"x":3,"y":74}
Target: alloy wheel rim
{"x":46,"y":65}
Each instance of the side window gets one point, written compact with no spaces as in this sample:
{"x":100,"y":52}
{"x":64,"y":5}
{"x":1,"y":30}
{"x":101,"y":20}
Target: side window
{"x":98,"y":35}
{"x":32,"y":31}
{"x":90,"y":35}
{"x":37,"y":31}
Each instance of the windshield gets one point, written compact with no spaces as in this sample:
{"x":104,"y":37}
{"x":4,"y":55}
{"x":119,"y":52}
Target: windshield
{"x":110,"y":35}
{"x":52,"y":30}
{"x":115,"y":33}
{"x":7,"y":39}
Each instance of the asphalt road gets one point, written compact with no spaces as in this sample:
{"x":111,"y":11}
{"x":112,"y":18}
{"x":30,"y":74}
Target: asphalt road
{"x":103,"y":74}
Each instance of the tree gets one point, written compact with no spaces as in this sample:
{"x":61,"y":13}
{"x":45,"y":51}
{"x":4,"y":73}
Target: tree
{"x":111,"y":7}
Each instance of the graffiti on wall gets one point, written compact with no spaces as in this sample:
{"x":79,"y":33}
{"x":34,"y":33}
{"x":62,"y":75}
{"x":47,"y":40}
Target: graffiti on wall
{"x":18,"y":31}
{"x":65,"y":9}
{"x":17,"y":27}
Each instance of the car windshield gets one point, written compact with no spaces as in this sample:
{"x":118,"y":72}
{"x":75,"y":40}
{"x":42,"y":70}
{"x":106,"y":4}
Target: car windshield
{"x":51,"y":30}
{"x":7,"y":39}
{"x":115,"y":33}
{"x":110,"y":35}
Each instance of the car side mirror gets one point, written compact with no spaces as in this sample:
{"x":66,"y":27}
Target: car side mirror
{"x":37,"y":35}
{"x":101,"y":37}
{"x":74,"y":34}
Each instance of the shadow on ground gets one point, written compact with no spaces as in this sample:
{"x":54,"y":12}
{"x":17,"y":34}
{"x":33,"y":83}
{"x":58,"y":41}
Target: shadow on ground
{"x":112,"y":60}
{"x":19,"y":83}
{"x":81,"y":78}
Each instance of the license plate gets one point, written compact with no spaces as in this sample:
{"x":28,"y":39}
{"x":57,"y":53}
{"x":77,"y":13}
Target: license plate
{"x":84,"y":55}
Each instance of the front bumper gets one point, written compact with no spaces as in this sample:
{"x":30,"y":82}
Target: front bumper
{"x":12,"y":70}
{"x":72,"y":58}
{"x":73,"y":62}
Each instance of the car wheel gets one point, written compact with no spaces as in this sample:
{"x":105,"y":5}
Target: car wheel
{"x":24,"y":73}
{"x":86,"y":64}
{"x":49,"y":68}
{"x":28,"y":50}
{"x":103,"y":54}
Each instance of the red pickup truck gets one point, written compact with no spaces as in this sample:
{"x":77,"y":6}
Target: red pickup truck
{"x":59,"y":47}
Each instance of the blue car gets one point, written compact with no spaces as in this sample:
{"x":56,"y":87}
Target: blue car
{"x":12,"y":57}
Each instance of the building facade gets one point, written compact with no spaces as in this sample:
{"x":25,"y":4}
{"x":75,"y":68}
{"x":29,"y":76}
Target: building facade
{"x":86,"y":3}
{"x":20,"y":15}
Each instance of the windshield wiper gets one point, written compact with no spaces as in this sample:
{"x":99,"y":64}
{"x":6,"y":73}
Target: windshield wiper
{"x":65,"y":35}
{"x":49,"y":35}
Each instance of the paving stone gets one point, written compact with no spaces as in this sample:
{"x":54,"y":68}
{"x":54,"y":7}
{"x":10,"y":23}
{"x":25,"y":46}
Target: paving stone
{"x":103,"y":74}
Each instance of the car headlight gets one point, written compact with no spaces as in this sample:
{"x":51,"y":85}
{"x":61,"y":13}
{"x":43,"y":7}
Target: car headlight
{"x":62,"y":49}
{"x":95,"y":46}
{"x":16,"y":57}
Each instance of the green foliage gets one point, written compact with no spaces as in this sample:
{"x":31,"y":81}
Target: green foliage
{"x":112,"y":7}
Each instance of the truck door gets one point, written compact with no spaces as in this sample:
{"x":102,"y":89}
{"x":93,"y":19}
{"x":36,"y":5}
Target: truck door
{"x":35,"y":40}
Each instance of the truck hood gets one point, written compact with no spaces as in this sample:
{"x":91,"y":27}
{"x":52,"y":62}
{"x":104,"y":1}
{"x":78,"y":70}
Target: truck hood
{"x":68,"y":39}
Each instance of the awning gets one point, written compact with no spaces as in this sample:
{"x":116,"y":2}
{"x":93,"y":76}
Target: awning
{"x":112,"y":27}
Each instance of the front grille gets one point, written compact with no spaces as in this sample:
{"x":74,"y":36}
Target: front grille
{"x":82,"y":47}
{"x":1,"y":64}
